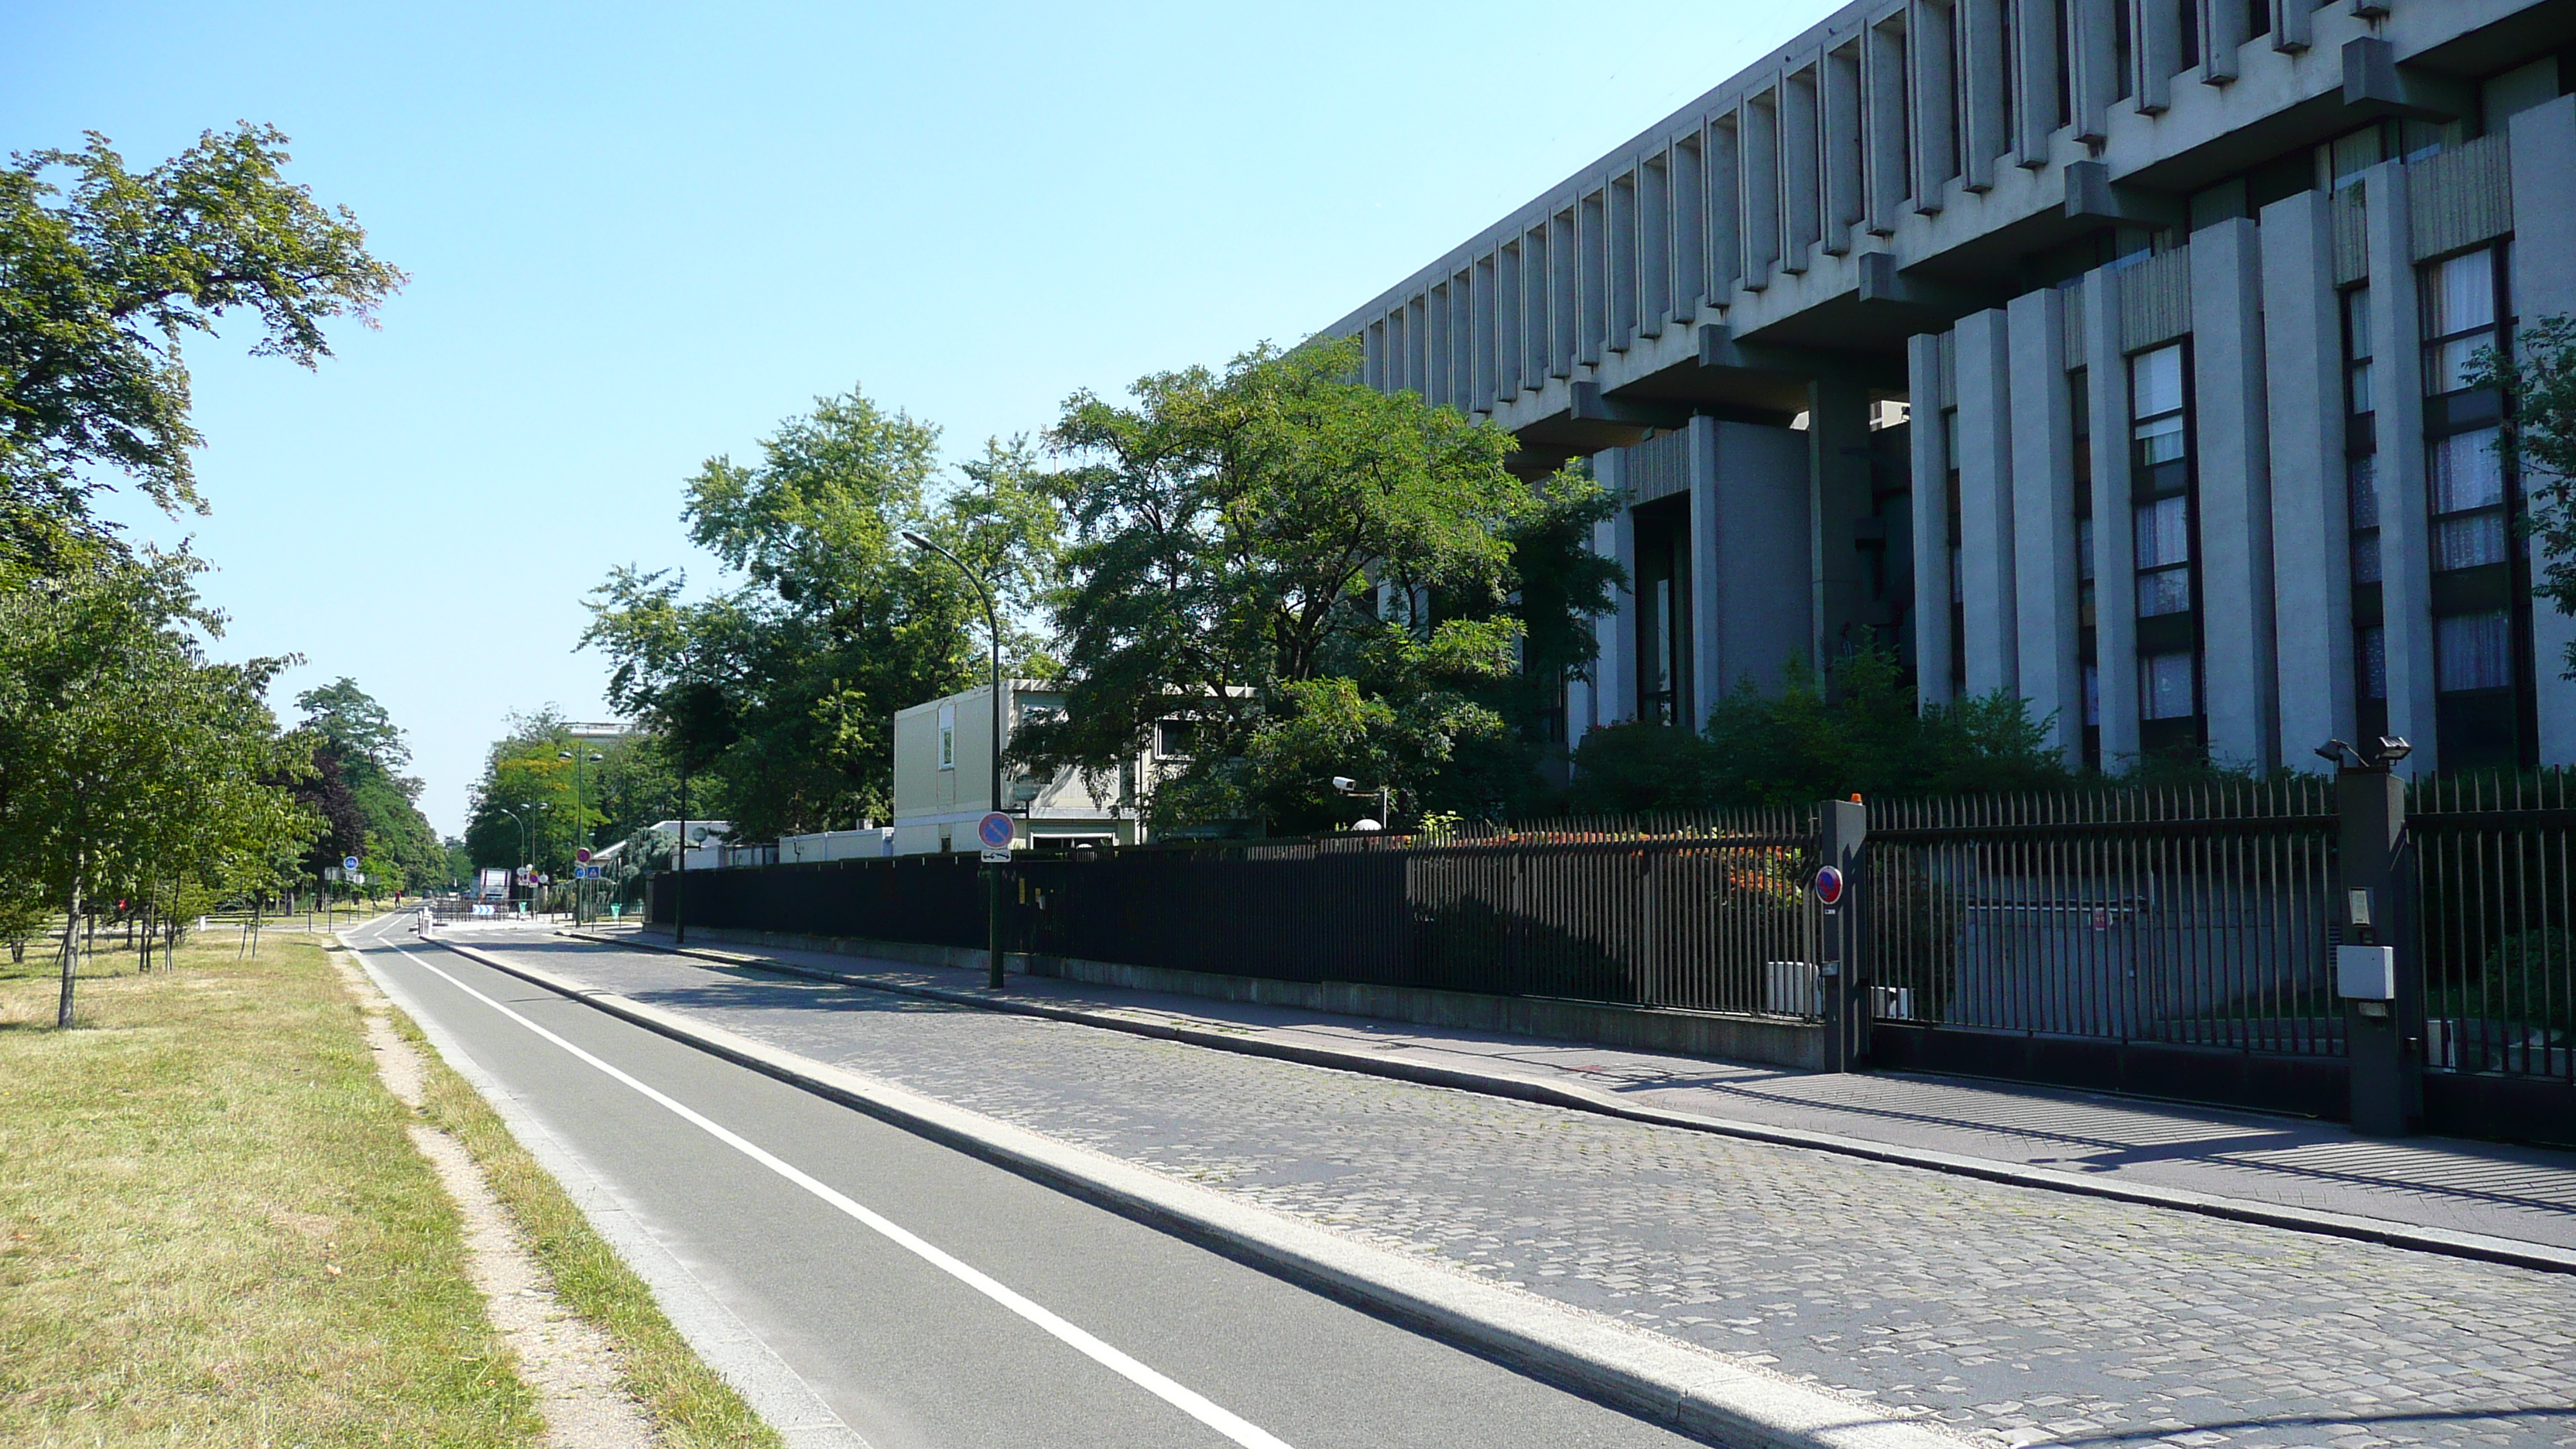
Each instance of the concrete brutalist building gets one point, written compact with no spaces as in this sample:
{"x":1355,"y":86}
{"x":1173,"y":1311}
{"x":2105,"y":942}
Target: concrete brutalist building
{"x":2106,"y":351}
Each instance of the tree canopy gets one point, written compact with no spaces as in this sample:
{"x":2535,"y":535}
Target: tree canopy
{"x":101,"y":282}
{"x":2541,"y":380}
{"x":780,"y":693}
{"x":1320,"y":578}
{"x":372,"y":812}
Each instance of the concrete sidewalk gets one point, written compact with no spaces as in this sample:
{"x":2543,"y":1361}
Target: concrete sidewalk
{"x":2473,"y":1199}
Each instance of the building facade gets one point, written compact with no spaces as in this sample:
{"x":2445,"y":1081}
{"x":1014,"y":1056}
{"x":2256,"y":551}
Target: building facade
{"x":2114,"y":353}
{"x":943,"y":779}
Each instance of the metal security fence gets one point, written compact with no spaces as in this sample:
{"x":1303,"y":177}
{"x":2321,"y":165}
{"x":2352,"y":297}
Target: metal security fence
{"x":2196,"y":917}
{"x":1706,"y":912}
{"x":2495,"y":900}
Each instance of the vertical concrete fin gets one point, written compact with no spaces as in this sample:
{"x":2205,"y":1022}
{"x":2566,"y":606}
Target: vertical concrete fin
{"x":2242,"y":694}
{"x":1986,"y":551}
{"x":1933,"y":645}
{"x":2397,"y":385}
{"x":2311,"y":511}
{"x":2115,"y":597}
{"x":2543,"y":142}
{"x":2043,"y":518}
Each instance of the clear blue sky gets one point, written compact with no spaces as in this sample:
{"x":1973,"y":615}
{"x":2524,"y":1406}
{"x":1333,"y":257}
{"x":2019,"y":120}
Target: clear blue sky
{"x":640,"y":235}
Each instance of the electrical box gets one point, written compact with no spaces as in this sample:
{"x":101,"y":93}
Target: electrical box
{"x":2366,"y":973}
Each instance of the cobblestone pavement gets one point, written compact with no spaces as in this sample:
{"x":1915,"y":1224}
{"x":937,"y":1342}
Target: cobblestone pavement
{"x":2015,"y":1315}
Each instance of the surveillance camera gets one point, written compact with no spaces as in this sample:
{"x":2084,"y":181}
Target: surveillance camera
{"x":1345,"y":782}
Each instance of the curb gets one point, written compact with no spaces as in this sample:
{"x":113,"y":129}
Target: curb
{"x":1660,"y":1379}
{"x":2476,"y":1247}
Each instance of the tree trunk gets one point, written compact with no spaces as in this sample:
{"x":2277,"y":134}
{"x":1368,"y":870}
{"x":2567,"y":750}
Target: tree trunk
{"x":71,"y":953}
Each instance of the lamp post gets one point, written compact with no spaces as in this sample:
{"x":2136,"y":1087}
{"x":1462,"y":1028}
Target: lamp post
{"x":992,"y":873}
{"x":580,"y":821}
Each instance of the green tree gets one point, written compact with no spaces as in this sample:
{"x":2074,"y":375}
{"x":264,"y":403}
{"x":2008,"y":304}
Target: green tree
{"x":2541,"y":380}
{"x":100,"y":283}
{"x":1320,"y":577}
{"x":127,"y":758}
{"x":367,"y":749}
{"x":779,"y":694}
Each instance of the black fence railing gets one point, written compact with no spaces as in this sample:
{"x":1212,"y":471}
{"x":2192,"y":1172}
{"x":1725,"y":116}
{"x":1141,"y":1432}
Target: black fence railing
{"x":1705,"y":912}
{"x":2177,"y":941}
{"x":2194,"y":916}
{"x":2496,"y":918}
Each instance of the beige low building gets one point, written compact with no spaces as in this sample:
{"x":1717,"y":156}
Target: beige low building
{"x":943,"y":752}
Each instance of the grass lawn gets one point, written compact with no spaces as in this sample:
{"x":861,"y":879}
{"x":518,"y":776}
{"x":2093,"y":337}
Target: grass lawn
{"x":213,"y":1229}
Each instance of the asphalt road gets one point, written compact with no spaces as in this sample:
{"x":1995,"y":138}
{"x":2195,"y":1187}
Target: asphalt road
{"x":928,"y":1298}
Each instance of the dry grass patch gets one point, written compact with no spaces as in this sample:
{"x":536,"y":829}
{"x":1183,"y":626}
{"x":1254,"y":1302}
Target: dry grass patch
{"x":213,"y":1229}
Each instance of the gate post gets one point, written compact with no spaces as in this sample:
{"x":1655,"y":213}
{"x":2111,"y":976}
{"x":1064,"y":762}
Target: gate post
{"x":1841,"y":977}
{"x":2379,"y":975}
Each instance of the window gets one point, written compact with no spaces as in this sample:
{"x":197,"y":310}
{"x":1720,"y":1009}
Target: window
{"x":1173,"y":738}
{"x":2164,"y":556}
{"x":2357,"y":353}
{"x":2361,"y":478}
{"x":2156,"y":395}
{"x":948,"y":737}
{"x":2459,"y":318}
{"x":2165,"y":687}
{"x":2466,"y":478}
{"x":2473,"y":651}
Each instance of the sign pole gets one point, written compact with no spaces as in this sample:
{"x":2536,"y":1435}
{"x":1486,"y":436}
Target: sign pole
{"x":996,"y":832}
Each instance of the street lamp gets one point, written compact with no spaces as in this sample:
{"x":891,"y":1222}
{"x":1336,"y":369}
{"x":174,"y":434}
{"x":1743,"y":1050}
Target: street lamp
{"x":992,"y":874}
{"x":580,"y":822}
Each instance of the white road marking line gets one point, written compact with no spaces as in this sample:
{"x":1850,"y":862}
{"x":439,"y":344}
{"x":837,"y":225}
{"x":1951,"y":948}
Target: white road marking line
{"x":1188,"y":1401}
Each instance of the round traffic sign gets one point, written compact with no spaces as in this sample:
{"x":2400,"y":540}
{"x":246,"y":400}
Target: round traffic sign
{"x":1829,"y":885}
{"x":348,"y":862}
{"x":582,"y":855}
{"x":995,"y":830}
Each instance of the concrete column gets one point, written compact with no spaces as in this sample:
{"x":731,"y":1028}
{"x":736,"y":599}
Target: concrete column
{"x":2397,"y":387}
{"x":2232,"y":439}
{"x":1709,"y":679}
{"x":1435,"y":388}
{"x":2043,"y":518}
{"x":2222,"y":34}
{"x":1758,"y":596}
{"x":1482,"y":319}
{"x":1563,"y":254}
{"x":1982,"y":83}
{"x":1985,"y":504}
{"x":1839,"y":73}
{"x":1507,"y":321}
{"x":2036,"y":50}
{"x":1838,"y":497}
{"x":1933,"y":646}
{"x":2115,"y":557}
{"x":2094,"y":47}
{"x":1725,"y":208}
{"x":1935,"y":121}
{"x":2311,"y":510}
{"x":1617,"y":669}
{"x":1654,"y":245}
{"x":1591,"y":279}
{"x":1690,"y":227}
{"x":1801,"y":199}
{"x":1883,"y":87}
{"x":1620,"y":274}
{"x":1758,"y":130}
{"x":1462,"y":341}
{"x":2543,"y":141}
{"x":2155,"y":49}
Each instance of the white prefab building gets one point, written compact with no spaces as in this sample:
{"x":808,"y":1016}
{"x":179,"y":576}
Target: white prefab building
{"x":2114,"y":353}
{"x":943,"y":753}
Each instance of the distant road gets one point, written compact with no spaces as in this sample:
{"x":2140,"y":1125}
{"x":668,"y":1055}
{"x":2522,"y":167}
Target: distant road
{"x":922,"y":1297}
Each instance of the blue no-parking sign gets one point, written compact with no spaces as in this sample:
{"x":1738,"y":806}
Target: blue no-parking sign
{"x":1829,"y":886}
{"x":995,"y":830}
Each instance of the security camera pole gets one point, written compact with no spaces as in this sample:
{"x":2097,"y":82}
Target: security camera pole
{"x":1383,"y":795}
{"x":2379,"y":973}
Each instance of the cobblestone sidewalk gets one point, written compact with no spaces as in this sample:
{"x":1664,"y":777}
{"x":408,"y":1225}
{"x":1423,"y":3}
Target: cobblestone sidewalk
{"x":2017,"y":1316}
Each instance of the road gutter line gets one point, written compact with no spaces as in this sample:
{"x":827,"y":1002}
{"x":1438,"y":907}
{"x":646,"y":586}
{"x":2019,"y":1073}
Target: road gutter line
{"x":1662,"y":1379}
{"x":2477,"y":1247}
{"x":1188,"y":1401}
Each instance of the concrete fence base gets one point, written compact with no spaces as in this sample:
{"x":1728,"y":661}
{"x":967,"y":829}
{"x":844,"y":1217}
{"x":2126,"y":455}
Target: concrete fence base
{"x":1773,"y":1041}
